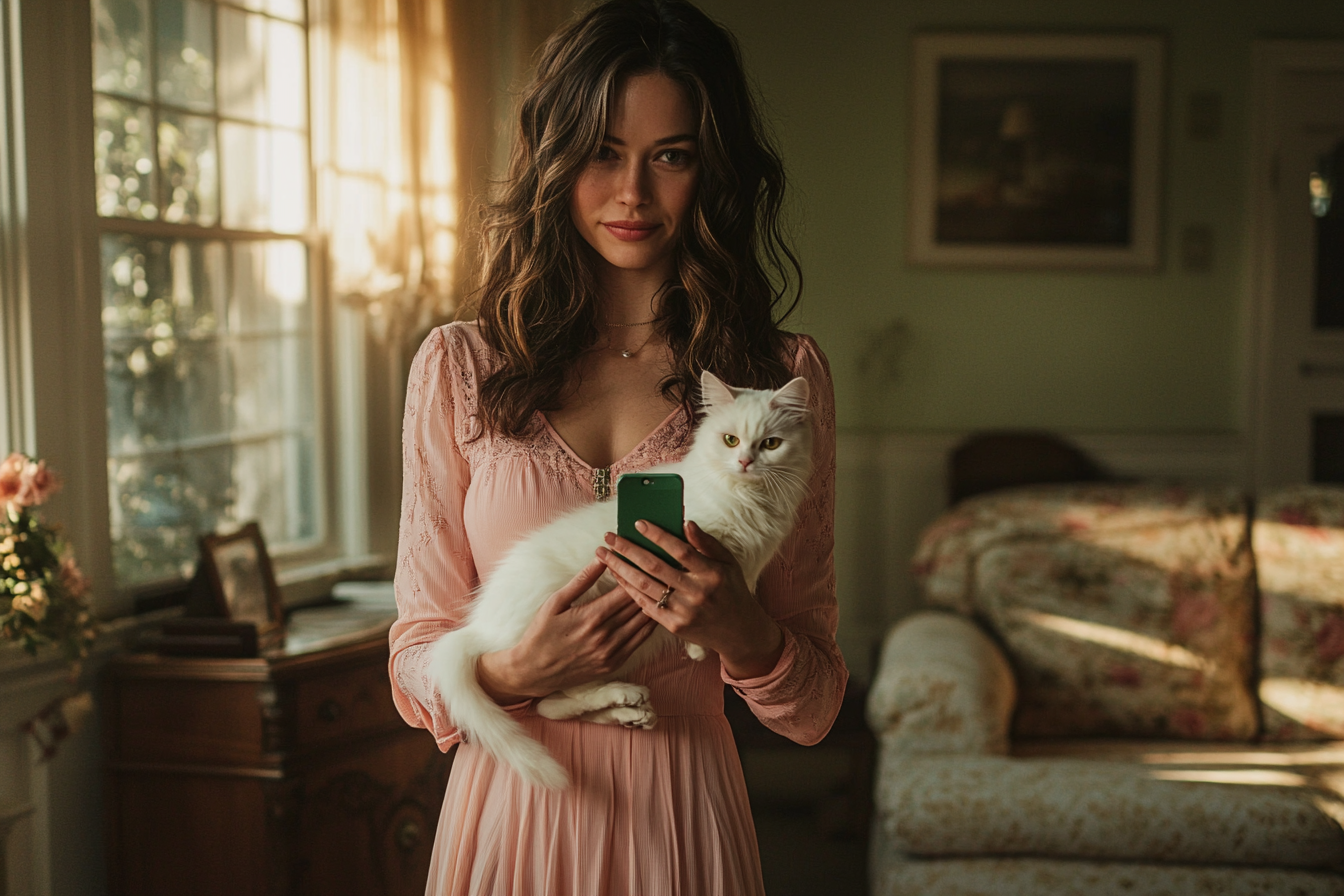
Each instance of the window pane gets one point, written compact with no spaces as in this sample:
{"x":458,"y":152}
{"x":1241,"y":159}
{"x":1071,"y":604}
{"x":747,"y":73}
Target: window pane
{"x":262,"y":69}
{"x":270,"y":288}
{"x":123,"y":159}
{"x":208,"y":425}
{"x":265,"y":176}
{"x":185,"y":53}
{"x":284,"y":504}
{"x":166,"y":380}
{"x":187,"y":159}
{"x":121,"y":47}
{"x":242,"y":64}
{"x":273,"y":388}
{"x":161,"y":503}
{"x":286,"y":83}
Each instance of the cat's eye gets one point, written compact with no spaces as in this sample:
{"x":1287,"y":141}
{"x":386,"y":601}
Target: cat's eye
{"x":730,"y":440}
{"x":771,"y":443}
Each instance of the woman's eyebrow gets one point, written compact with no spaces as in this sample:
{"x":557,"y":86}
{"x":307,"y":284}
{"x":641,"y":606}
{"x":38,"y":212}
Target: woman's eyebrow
{"x":677,"y":138}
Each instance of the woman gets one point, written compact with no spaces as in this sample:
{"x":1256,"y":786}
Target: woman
{"x":633,"y":247}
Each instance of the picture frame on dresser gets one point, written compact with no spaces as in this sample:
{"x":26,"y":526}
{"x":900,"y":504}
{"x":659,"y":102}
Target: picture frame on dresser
{"x":1036,"y":150}
{"x":241,"y":580}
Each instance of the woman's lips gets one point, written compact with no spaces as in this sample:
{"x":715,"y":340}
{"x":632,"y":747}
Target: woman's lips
{"x":630,"y":231}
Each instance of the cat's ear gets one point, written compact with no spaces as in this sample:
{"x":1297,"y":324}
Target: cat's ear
{"x":714,"y":392}
{"x":791,"y":397}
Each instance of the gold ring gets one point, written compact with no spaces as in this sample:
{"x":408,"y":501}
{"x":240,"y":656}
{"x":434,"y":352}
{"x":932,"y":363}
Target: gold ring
{"x":662,"y":598}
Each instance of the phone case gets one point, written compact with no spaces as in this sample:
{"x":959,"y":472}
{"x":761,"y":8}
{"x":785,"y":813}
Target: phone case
{"x":656,"y":497}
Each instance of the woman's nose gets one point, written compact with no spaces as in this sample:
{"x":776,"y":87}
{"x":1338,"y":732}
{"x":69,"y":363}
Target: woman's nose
{"x":633,"y":186}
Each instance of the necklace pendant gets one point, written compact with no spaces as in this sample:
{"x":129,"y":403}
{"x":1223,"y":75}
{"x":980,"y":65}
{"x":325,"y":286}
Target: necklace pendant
{"x":627,"y":353}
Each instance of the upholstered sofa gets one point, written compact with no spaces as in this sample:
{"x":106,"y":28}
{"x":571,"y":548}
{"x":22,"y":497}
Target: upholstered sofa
{"x":1132,"y":689}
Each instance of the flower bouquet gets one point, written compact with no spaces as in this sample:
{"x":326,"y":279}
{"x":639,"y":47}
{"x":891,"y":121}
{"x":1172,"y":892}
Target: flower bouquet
{"x":42,"y":591}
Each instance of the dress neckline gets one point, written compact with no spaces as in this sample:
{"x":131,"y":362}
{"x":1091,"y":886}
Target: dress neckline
{"x":564,"y":446}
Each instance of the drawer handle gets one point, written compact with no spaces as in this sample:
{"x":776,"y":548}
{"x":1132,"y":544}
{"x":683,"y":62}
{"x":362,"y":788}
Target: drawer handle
{"x":408,"y":835}
{"x":329,"y":710}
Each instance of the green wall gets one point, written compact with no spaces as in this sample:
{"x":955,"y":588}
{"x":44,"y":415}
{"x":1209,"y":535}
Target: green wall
{"x":1092,"y":351}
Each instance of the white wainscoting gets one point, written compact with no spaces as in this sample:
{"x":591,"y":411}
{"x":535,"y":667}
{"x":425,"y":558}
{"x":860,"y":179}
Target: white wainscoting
{"x":51,"y":812}
{"x":889,"y":486}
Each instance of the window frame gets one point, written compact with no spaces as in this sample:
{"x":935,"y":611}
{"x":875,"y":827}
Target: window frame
{"x":57,"y":409}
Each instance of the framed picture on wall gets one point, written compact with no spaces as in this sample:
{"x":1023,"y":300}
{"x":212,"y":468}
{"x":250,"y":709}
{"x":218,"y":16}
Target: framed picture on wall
{"x":1036,"y":151}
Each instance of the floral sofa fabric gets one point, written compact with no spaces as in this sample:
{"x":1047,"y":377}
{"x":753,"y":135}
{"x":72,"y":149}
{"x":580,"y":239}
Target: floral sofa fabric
{"x":1126,"y":609}
{"x":1299,"y":548}
{"x":1099,"y":702}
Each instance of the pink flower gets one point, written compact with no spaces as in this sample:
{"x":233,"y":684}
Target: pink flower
{"x":11,"y":477}
{"x":1330,"y":639}
{"x":74,"y":580}
{"x":36,"y":484}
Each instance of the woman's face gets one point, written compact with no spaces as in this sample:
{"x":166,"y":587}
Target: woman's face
{"x":634,"y":197}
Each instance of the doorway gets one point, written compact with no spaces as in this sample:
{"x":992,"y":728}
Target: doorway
{"x":1297,"y":243}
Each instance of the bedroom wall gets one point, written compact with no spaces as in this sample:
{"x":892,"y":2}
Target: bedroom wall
{"x":1092,"y":351}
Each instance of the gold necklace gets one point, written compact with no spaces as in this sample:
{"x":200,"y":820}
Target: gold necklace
{"x":631,"y":352}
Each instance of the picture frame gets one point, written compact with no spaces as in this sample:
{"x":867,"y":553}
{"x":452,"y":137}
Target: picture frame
{"x":1036,"y":150}
{"x":241,"y":580}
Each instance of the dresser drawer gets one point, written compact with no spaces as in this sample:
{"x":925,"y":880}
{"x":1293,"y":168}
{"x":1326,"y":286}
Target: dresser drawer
{"x":343,"y":704}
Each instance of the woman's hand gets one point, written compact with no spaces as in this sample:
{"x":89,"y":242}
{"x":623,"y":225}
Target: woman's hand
{"x":567,"y":645}
{"x":709,"y":605}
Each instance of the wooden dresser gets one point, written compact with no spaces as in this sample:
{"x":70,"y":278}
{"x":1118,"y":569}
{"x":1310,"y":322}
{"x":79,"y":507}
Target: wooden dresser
{"x":286,"y":774}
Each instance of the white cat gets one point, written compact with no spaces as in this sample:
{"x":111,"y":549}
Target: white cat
{"x":745,"y":475}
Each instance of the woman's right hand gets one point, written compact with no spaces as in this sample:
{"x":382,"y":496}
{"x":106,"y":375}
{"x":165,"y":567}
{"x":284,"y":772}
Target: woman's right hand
{"x":566,"y":645}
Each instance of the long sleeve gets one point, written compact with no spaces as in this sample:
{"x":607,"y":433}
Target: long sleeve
{"x":435,"y":570}
{"x":801,"y":696}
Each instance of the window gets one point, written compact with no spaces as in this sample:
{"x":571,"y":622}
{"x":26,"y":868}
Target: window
{"x":203,"y":192}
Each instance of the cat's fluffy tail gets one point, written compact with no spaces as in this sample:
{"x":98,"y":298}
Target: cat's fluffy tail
{"x":483,"y":721}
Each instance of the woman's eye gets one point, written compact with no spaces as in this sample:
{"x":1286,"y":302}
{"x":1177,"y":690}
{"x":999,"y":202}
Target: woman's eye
{"x":604,"y":154}
{"x":675,"y":156}
{"x":731,"y":441}
{"x":771,"y":443}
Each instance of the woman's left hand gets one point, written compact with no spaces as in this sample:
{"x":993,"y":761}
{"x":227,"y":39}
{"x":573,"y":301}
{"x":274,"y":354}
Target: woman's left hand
{"x":709,"y":603}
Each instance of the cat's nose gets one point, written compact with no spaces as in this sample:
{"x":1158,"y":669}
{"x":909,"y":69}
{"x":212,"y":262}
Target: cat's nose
{"x":745,"y":462}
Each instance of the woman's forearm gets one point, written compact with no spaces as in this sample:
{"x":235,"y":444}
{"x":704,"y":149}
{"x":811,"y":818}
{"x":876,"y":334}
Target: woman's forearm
{"x":494,"y":673}
{"x":757,"y":654}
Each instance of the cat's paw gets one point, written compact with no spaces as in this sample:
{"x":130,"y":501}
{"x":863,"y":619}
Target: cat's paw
{"x":622,"y":693}
{"x":625,"y":716}
{"x":634,"y":716}
{"x":696,"y":652}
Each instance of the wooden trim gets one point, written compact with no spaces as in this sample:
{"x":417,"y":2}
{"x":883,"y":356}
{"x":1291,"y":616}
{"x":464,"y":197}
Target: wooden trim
{"x":207,"y":771}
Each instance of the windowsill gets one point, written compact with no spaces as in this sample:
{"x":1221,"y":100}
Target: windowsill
{"x":310,"y":583}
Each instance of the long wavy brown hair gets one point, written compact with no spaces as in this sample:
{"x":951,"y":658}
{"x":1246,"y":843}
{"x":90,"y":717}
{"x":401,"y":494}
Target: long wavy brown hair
{"x":735,"y":279}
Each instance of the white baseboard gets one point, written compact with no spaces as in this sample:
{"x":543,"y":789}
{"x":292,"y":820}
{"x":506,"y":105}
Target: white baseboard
{"x":890,"y":486}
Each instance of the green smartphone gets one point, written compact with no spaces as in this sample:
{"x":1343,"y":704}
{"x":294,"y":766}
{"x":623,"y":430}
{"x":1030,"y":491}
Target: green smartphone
{"x":656,"y":497}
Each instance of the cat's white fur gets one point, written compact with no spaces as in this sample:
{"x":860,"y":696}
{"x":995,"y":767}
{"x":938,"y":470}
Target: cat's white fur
{"x":745,"y":496}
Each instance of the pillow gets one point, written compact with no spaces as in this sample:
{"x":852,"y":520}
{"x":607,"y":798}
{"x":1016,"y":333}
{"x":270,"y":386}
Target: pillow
{"x":1125,"y":609}
{"x":1298,"y":537}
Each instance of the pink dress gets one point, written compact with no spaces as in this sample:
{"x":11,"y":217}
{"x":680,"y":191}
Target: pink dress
{"x":660,"y":812}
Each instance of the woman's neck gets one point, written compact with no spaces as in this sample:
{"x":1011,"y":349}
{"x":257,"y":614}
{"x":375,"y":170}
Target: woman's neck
{"x":630,"y":296}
